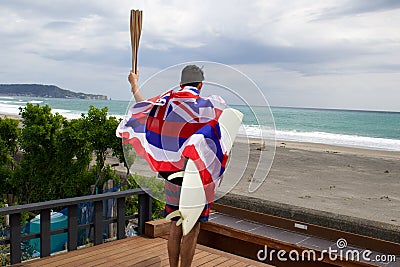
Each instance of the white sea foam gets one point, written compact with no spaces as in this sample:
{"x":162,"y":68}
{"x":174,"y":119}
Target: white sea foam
{"x":10,"y":109}
{"x":20,"y":102}
{"x":323,"y":138}
{"x":69,"y":114}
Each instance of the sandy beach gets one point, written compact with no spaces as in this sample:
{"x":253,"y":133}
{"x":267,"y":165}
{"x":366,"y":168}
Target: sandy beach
{"x":15,"y":117}
{"x":349,"y":181}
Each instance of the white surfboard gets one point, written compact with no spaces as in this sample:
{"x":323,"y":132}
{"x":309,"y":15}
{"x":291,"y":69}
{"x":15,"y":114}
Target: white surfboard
{"x":193,"y":197}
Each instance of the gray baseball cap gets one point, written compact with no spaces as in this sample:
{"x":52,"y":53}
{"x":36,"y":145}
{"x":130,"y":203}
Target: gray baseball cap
{"x":191,"y":74}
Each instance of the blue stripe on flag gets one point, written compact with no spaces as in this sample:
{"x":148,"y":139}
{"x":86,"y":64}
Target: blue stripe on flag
{"x":136,"y":125}
{"x":164,"y":142}
{"x":212,"y":139}
{"x":153,"y":111}
{"x":173,"y":116}
{"x":141,"y":104}
{"x":203,"y":103}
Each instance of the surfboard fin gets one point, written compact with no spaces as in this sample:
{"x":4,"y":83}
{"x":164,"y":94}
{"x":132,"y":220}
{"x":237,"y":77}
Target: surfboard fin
{"x":179,"y":222}
{"x":173,"y":215}
{"x":176,"y":175}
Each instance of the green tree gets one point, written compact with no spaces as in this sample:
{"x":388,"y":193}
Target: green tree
{"x":72,"y":161}
{"x":35,"y":179}
{"x":5,"y":172}
{"x":100,"y":132}
{"x":57,"y":153}
{"x":4,"y":155}
{"x":9,"y":135}
{"x":124,"y":153}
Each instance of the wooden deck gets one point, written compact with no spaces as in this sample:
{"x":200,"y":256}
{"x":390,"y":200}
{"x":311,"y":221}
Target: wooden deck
{"x":138,"y":251}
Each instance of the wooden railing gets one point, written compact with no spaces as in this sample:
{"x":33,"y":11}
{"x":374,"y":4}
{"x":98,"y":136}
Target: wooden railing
{"x":144,"y":214}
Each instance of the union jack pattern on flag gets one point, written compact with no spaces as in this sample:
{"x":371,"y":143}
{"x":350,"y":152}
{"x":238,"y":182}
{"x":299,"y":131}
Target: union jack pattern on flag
{"x":166,"y":129}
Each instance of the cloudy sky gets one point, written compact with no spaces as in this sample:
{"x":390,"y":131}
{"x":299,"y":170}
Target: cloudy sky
{"x":303,"y":53}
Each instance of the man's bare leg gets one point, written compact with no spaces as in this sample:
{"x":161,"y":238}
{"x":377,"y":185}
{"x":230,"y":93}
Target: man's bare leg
{"x":174,"y":243}
{"x":188,"y":245}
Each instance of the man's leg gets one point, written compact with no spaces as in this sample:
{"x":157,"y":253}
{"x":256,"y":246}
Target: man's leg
{"x":174,"y":243}
{"x":188,"y":245}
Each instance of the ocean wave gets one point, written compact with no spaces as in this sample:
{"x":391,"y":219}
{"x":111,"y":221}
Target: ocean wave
{"x":322,"y":138}
{"x":12,"y":107}
{"x":69,"y":114}
{"x":20,"y":102}
{"x":9,"y":109}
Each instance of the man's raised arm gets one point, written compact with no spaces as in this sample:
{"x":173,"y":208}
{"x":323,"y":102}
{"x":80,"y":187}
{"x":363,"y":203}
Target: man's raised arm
{"x":133,"y":80}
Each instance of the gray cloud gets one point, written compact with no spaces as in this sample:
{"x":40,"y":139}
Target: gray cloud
{"x":112,"y":57}
{"x":56,"y":8}
{"x":306,"y":60}
{"x":59,"y":25}
{"x":356,"y":7}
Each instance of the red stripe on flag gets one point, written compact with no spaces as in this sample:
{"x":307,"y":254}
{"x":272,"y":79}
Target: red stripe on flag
{"x":185,"y":94}
{"x":191,"y":153}
{"x":183,"y":106}
{"x":173,"y":129}
{"x":155,"y":165}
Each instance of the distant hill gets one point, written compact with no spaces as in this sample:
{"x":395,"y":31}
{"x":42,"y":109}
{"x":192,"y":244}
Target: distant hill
{"x":42,"y":90}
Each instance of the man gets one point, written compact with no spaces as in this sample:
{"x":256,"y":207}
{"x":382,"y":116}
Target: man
{"x":169,"y":129}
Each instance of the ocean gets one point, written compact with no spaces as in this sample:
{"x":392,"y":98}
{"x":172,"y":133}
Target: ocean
{"x":362,"y":129}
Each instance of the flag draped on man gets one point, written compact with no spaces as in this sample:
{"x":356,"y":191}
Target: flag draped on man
{"x":166,"y":129}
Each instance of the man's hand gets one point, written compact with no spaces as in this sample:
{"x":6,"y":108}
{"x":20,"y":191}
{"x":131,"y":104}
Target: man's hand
{"x":133,"y":80}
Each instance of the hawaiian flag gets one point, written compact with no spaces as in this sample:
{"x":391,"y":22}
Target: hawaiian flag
{"x":166,"y":129}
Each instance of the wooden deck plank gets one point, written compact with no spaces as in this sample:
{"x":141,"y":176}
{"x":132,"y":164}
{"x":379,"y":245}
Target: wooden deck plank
{"x":126,"y":258}
{"x":232,"y":256}
{"x":105,"y":250}
{"x":205,"y":259}
{"x":59,"y":258}
{"x":240,"y":264}
{"x":164,"y":257}
{"x":155,"y":260}
{"x":159,"y":254}
{"x":200,"y":255}
{"x":70,"y":257}
{"x":136,"y":251}
{"x":228,"y":263}
{"x":138,"y":254}
{"x":215,"y":262}
{"x":71,"y":254}
{"x":146,"y":263}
